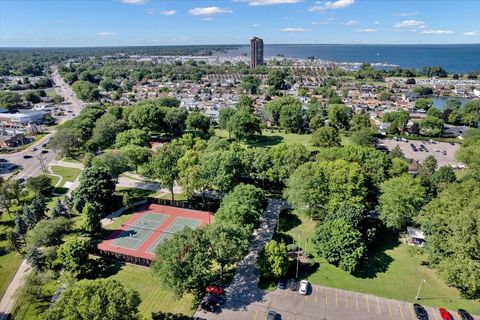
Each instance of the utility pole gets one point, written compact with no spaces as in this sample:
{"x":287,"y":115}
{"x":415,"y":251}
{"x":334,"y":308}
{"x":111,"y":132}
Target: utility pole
{"x":417,"y":297}
{"x":298,"y":254}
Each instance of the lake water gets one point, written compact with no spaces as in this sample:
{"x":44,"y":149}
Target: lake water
{"x":460,"y":58}
{"x":439,"y":102}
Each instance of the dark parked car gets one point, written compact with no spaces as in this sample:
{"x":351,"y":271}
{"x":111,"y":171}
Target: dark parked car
{"x":26,"y":156}
{"x":282,"y":284}
{"x":210,"y":306}
{"x":420,"y":312}
{"x":44,"y":151}
{"x":215,"y":298}
{"x":272,"y":315}
{"x":414,"y":148}
{"x":465,"y":315}
{"x":293,"y":284}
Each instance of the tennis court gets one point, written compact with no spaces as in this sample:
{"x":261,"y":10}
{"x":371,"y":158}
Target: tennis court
{"x":140,"y":235}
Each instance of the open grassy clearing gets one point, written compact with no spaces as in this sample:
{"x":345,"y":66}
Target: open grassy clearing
{"x":393,"y":270}
{"x":67,"y":174}
{"x":9,"y":260}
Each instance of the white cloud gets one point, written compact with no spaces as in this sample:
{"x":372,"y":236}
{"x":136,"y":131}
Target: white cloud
{"x":208,"y":11}
{"x":137,"y":2}
{"x":106,"y":34}
{"x":408,"y":14}
{"x":256,"y":25}
{"x":471,"y":33}
{"x":351,"y":23}
{"x":168,"y":12}
{"x":437,"y":32}
{"x":295,"y":30}
{"x":369,"y":30}
{"x":377,"y":22}
{"x":327,"y":21}
{"x":410,"y":24}
{"x":207,"y":19}
{"x":331,"y":5}
{"x":268,"y":2}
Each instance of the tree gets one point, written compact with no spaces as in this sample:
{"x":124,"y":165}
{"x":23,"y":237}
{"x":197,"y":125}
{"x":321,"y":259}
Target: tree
{"x":96,"y":187}
{"x":106,"y":129}
{"x":108,"y":84}
{"x":431,"y":126}
{"x":49,"y":232}
{"x":241,"y":207}
{"x":37,"y":209}
{"x":339,"y":115}
{"x":91,"y":220}
{"x":273,"y":260}
{"x":10,"y":191}
{"x":73,"y":254}
{"x":163,"y":166}
{"x":104,"y":299}
{"x":397,"y":153}
{"x":274,"y":108}
{"x":317,"y":189}
{"x":364,"y":137}
{"x":427,"y":167}
{"x":400,"y":201}
{"x":251,"y":84}
{"x":222,"y":168}
{"x":198,"y":122}
{"x":291,"y":117}
{"x":114,"y":162}
{"x":60,"y":210}
{"x":20,"y":226}
{"x":285,"y":158}
{"x":326,"y":137}
{"x":228,"y":244}
{"x":423,"y":103}
{"x":469,"y":152}
{"x":136,"y":155}
{"x":65,"y":141}
{"x":183,"y":263}
{"x":450,"y":224}
{"x":434,"y":112}
{"x":175,"y":121}
{"x":339,"y":243}
{"x":354,"y":215}
{"x":398,"y":167}
{"x":360,"y":121}
{"x":35,"y":258}
{"x":224,"y":117}
{"x":471,"y":113}
{"x":244,"y":125}
{"x":245,"y":103}
{"x":443,"y":176}
{"x":9,"y":100}
{"x":40,"y":184}
{"x":147,"y":116}
{"x":137,"y":137}
{"x":32,"y":97}
{"x":86,"y":90}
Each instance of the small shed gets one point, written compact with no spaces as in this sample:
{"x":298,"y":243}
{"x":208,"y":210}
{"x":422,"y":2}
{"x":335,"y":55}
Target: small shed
{"x":415,"y":237}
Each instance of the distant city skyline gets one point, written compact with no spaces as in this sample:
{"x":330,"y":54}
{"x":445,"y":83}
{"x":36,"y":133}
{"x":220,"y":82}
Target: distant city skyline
{"x":87,"y":23}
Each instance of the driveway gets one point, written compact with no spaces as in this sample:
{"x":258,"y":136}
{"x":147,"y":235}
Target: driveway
{"x":324,"y":303}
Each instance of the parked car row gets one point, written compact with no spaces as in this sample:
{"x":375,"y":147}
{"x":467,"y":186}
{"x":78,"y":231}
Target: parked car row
{"x":215,"y":298}
{"x":422,"y":314}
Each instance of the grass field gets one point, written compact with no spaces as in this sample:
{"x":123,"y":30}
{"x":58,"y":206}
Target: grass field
{"x":9,"y":260}
{"x":154,"y":296}
{"x":68,"y":174}
{"x":272,"y":137}
{"x":392,"y":271}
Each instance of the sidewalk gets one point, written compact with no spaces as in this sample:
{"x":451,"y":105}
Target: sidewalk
{"x":8,"y":299}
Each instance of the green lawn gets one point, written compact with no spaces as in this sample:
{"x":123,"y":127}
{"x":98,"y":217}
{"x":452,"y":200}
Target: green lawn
{"x":9,"y":260}
{"x":392,"y":271}
{"x":154,"y":296}
{"x":68,"y":174}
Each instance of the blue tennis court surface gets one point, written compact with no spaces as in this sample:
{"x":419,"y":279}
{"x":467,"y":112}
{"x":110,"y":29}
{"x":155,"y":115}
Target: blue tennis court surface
{"x":139,"y":231}
{"x":177,"y":225}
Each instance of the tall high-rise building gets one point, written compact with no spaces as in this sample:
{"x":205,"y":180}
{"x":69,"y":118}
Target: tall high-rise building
{"x":256,"y":52}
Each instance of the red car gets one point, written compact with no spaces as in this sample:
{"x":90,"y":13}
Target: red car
{"x":445,"y":314}
{"x":217,"y":290}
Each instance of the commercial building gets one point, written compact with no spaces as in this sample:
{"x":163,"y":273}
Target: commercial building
{"x":256,"y":52}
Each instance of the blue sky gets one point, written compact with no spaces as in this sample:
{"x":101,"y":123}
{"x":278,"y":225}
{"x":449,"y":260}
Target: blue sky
{"x":158,"y":22}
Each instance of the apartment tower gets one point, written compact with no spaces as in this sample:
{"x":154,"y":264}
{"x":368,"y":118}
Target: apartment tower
{"x":256,"y":52}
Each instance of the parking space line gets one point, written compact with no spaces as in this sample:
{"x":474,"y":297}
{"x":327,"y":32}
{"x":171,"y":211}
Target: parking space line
{"x":401,"y":312}
{"x":378,"y":306}
{"x":434,"y":314}
{"x":357,"y":300}
{"x":326,"y":296}
{"x":256,"y":314}
{"x":316,"y":289}
{"x":346,"y":299}
{"x":368,"y":306}
{"x":389,"y":309}
{"x":336,"y":296}
{"x":411,"y":311}
{"x":286,"y":292}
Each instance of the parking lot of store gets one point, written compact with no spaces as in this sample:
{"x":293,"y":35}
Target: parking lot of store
{"x":327,"y":304}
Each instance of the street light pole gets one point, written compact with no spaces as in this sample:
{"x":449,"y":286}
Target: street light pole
{"x":417,"y":297}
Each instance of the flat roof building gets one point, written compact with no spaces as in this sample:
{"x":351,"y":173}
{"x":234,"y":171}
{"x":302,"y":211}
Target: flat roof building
{"x":256,"y":52}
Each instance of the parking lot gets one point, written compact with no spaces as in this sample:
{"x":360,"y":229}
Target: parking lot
{"x":443,"y":159}
{"x":326,"y":304}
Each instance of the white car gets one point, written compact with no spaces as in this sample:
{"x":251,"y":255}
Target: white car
{"x":303,"y":287}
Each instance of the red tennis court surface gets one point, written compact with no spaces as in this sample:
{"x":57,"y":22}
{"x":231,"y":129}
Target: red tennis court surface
{"x":139,"y":236}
